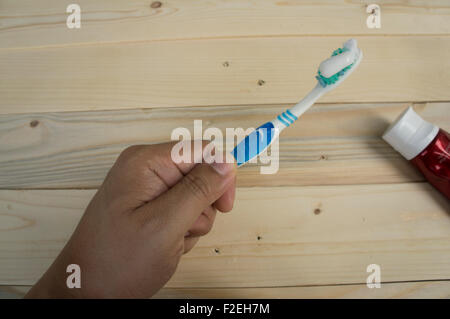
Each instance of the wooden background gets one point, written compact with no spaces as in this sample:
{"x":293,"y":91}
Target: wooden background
{"x":71,"y":100}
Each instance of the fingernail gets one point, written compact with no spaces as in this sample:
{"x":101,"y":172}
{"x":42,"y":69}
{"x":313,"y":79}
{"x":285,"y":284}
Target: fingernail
{"x":222,"y":168}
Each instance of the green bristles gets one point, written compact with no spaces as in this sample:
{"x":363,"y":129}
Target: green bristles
{"x":331,"y":80}
{"x":338,"y":51}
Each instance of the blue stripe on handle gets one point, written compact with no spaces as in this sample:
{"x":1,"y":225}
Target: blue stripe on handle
{"x":254,"y":143}
{"x":287,"y":118}
{"x":283,"y":121}
{"x":292,"y":115}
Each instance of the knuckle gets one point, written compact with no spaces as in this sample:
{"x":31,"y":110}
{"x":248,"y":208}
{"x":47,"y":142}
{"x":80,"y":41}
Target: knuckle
{"x":203,"y":225}
{"x":205,"y":229}
{"x":198,"y":186}
{"x":208,"y":225}
{"x":179,"y":251}
{"x":136,"y":155}
{"x":129,"y":152}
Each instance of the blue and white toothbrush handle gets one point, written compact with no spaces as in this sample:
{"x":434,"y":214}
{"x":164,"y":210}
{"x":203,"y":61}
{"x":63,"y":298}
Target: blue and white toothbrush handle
{"x":291,"y":115}
{"x":259,"y":140}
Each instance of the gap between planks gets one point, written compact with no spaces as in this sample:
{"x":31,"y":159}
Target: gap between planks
{"x":405,"y":289}
{"x":106,"y":21}
{"x":125,"y":42}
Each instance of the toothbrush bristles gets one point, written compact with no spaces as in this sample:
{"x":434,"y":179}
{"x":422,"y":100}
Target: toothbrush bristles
{"x":324,"y":81}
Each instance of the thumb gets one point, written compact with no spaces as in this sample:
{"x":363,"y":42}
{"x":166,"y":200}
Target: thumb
{"x":181,"y":205}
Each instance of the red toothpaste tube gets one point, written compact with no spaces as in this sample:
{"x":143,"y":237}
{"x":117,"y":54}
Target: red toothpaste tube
{"x":425,"y":145}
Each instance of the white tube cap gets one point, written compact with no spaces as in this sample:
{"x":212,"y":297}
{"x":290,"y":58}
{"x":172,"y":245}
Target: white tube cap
{"x":410,"y":134}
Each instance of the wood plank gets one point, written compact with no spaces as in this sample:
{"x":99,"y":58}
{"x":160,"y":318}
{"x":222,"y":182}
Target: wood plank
{"x":322,"y":235}
{"x":422,"y":289}
{"x":192,"y":73}
{"x":412,"y":290}
{"x":13,"y":292}
{"x":24,"y":23}
{"x":76,"y":149}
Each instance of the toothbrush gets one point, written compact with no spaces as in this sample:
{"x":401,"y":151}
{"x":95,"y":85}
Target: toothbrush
{"x":332,"y":72}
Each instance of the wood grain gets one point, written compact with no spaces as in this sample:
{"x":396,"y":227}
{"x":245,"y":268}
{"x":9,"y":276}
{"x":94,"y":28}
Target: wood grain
{"x":192,"y":73}
{"x":24,"y":24}
{"x":426,"y":289}
{"x":330,"y":144}
{"x":71,"y":100}
{"x":322,"y":235}
{"x":423,"y":289}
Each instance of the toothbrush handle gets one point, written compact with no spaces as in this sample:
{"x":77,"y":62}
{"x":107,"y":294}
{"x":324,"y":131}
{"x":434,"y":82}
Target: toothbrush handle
{"x":302,"y":106}
{"x":260,"y":139}
{"x":291,"y":115}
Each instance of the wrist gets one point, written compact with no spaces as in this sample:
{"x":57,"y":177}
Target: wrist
{"x":53,"y":285}
{"x":51,"y":289}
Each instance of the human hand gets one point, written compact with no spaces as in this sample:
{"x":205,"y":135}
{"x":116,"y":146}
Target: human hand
{"x":148,"y":212}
